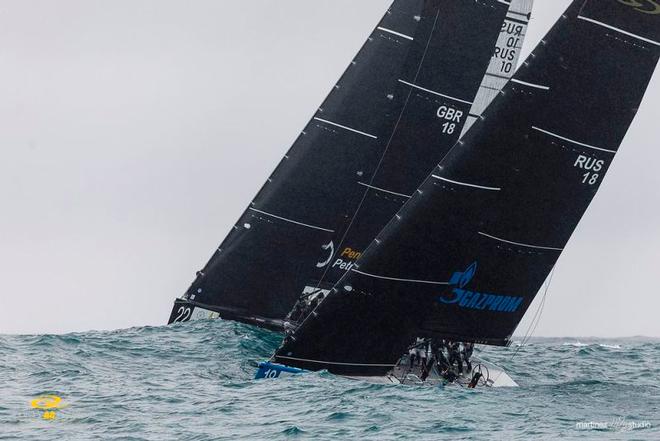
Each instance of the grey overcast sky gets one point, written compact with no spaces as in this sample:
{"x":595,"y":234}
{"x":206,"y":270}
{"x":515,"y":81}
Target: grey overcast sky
{"x":133,"y":134}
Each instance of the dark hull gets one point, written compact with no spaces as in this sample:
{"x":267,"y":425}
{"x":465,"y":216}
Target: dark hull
{"x":184,"y":311}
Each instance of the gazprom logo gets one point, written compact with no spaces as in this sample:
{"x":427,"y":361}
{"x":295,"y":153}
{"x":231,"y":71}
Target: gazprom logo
{"x":477,"y":300}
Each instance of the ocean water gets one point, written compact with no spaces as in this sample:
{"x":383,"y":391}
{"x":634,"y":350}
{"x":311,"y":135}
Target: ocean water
{"x":194,"y":382}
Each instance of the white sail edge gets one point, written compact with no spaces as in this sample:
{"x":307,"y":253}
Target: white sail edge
{"x":505,"y":58}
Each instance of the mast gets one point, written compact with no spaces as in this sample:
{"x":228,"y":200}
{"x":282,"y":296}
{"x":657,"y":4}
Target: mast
{"x":414,"y":79}
{"x":466,"y":256}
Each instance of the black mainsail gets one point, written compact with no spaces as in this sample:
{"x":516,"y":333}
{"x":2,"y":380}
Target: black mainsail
{"x":415,"y":78}
{"x":466,"y":255}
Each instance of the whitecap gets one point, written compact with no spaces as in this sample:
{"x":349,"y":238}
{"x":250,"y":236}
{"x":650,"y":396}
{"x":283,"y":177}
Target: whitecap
{"x":576,"y":344}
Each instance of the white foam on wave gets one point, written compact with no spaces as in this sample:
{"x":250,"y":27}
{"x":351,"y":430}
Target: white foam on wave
{"x":576,"y":344}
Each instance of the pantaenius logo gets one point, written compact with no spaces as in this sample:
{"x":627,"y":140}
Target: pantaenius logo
{"x":477,"y":300}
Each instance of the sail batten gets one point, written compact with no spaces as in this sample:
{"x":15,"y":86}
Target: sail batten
{"x":397,"y":279}
{"x":527,"y":83}
{"x":398,"y":34}
{"x":314,"y":227}
{"x":359,"y":132}
{"x":572,"y":141}
{"x":433,"y":92}
{"x":621,"y":31}
{"x":465,"y":184}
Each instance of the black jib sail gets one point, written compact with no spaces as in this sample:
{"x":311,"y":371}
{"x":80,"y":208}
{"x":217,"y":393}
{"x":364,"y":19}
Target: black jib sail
{"x":414,"y":79}
{"x":465,"y":257}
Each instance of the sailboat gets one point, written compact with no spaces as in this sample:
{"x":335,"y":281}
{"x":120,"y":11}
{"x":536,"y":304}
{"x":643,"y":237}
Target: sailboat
{"x":420,"y":77}
{"x":466,"y":255}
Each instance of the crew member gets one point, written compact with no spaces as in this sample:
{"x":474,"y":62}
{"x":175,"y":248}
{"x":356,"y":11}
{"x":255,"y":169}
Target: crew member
{"x":455,"y":356}
{"x":412,"y":353}
{"x":422,"y":351}
{"x":468,"y":349}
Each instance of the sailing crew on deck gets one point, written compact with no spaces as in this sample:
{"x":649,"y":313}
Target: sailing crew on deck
{"x":455,"y":355}
{"x":468,"y":349}
{"x":412,"y":353}
{"x":421,"y":348}
{"x":438,"y":356}
{"x":438,"y":349}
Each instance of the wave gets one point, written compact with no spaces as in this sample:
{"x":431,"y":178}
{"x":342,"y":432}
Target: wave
{"x":198,"y":377}
{"x":578,"y":344}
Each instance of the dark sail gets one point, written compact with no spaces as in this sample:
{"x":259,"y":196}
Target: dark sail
{"x":414,"y":79}
{"x":405,"y":162}
{"x":465,"y":257}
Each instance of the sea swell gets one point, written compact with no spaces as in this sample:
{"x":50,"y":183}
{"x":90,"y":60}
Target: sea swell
{"x":195,"y":381}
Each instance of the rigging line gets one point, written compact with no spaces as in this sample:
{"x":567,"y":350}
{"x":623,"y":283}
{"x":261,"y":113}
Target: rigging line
{"x":380,"y":162}
{"x":536,"y":319}
{"x":389,"y":142}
